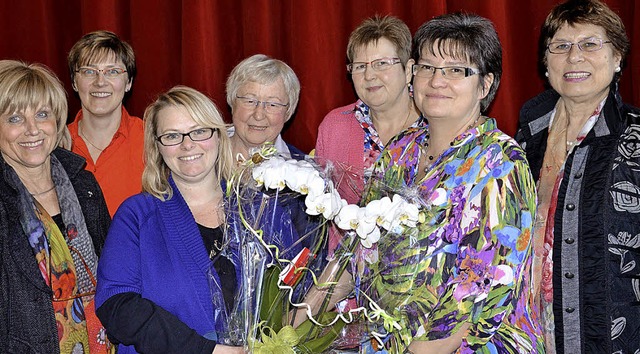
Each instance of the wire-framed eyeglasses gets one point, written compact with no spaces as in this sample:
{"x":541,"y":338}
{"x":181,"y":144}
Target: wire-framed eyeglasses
{"x":585,"y":45}
{"x":92,"y":73}
{"x":448,"y":72}
{"x":269,"y":107}
{"x":381,"y":64}
{"x":175,"y":138}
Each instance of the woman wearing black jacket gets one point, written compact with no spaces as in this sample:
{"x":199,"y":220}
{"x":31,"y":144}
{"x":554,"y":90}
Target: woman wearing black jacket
{"x":53,"y":221}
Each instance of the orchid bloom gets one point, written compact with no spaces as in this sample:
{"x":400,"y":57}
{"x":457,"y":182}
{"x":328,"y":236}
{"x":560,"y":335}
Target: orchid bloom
{"x":258,"y":174}
{"x":270,"y":173}
{"x":353,"y":217}
{"x":397,"y":212}
{"x":302,"y":179}
{"x":327,"y":204}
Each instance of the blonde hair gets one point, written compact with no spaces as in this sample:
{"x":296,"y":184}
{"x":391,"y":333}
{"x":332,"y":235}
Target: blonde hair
{"x":155,"y":177}
{"x":24,"y":85}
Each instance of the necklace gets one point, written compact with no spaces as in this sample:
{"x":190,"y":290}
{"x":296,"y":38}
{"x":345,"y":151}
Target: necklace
{"x":87,"y":140}
{"x":425,"y":147}
{"x":44,"y":192}
{"x":404,"y":125}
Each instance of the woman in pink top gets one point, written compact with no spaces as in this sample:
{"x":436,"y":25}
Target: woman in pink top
{"x":353,"y":136}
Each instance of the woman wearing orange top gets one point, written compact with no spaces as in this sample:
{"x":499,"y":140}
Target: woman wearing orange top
{"x":102,"y":70}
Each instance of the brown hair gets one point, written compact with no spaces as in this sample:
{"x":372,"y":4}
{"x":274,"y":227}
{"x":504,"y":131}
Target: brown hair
{"x":466,"y":37}
{"x":585,"y":12}
{"x":98,"y":45}
{"x":374,"y":28}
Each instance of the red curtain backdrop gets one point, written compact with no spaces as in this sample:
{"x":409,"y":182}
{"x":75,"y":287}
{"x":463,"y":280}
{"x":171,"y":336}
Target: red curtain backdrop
{"x":198,"y":42}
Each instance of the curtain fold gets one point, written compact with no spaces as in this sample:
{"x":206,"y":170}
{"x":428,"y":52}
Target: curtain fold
{"x":198,"y":42}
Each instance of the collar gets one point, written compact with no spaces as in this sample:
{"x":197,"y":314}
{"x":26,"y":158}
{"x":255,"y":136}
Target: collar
{"x":123,"y":129}
{"x":536,"y":114}
{"x":279,"y":144}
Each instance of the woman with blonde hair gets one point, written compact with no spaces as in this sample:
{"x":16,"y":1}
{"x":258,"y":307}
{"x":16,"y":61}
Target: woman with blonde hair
{"x":55,"y":220}
{"x":153,"y":280}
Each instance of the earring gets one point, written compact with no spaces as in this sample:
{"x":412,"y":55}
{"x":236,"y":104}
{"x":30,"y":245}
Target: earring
{"x":546,"y":73}
{"x":410,"y":88}
{"x":618,"y":69}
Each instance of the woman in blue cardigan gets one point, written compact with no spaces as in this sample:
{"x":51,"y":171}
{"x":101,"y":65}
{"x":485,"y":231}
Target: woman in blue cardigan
{"x":153,"y":291}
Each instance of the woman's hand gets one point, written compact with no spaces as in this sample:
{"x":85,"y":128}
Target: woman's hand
{"x":316,"y":296}
{"x":225,"y":349}
{"x":440,"y":346}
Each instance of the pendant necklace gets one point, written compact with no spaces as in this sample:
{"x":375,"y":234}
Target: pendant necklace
{"x":43,"y":192}
{"x":425,"y":147}
{"x":87,"y":140}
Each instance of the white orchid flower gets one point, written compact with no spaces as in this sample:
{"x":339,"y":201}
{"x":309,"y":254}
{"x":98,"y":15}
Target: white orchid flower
{"x":408,"y":214}
{"x":371,"y":238}
{"x":258,"y":174}
{"x":298,"y":178}
{"x":353,"y":217}
{"x":397,"y":212}
{"x":388,"y":213}
{"x":274,"y":177}
{"x":377,"y":208}
{"x":315,"y":185}
{"x":327,"y":204}
{"x":347,"y":218}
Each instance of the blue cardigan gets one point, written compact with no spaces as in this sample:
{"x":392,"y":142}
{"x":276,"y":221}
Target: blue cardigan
{"x":154,"y":249}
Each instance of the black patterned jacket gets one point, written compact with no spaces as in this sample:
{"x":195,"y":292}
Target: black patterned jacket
{"x":596,"y":251}
{"x":27,"y":323}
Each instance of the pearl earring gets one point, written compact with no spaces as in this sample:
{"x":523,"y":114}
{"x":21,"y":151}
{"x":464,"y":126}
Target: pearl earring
{"x":618,"y":69}
{"x":546,"y":73}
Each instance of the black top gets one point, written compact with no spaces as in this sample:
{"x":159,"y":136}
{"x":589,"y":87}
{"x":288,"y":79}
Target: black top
{"x":595,"y":306}
{"x":226,"y":270}
{"x":166,"y":333}
{"x":58,"y":220}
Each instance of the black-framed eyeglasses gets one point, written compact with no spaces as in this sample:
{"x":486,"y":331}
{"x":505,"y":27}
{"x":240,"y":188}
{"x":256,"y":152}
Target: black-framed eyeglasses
{"x":200,"y":134}
{"x":381,"y":64}
{"x":448,"y":72}
{"x":269,"y":107}
{"x":585,"y":45}
{"x":92,"y":73}
{"x":57,"y":292}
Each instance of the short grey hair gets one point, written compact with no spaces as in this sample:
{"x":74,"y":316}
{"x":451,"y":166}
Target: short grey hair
{"x":264,"y":70}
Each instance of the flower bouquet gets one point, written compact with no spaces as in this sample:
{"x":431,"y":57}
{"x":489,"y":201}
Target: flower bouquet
{"x":288,"y":291}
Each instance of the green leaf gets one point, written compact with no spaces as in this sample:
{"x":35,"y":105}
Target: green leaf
{"x":317,"y":339}
{"x":272,"y":308}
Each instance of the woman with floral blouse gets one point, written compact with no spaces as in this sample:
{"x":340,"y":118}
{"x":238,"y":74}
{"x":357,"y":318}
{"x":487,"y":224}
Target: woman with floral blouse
{"x":459,"y":282}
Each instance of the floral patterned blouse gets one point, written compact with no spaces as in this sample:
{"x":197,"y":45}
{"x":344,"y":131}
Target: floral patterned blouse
{"x":373,"y":145}
{"x":470,"y":261}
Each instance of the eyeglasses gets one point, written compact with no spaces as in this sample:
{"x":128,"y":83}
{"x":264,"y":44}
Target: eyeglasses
{"x":58,"y":292}
{"x":269,"y":107}
{"x":448,"y":72}
{"x":91,"y":73}
{"x":381,"y":64}
{"x":200,"y":134}
{"x":585,"y":45}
